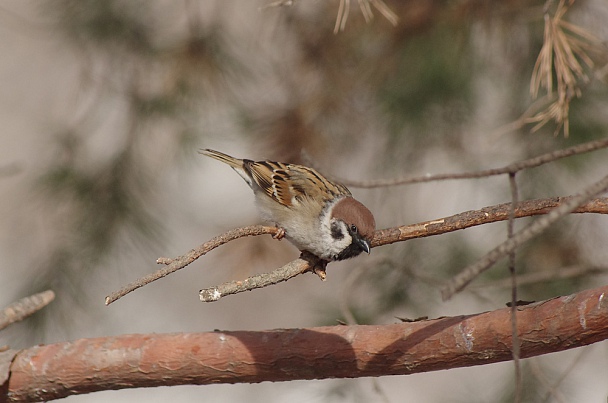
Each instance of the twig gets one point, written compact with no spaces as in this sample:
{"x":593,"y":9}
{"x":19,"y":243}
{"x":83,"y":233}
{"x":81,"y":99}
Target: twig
{"x":508,"y":169}
{"x":485,"y":215}
{"x":469,"y":273}
{"x":17,"y":311}
{"x":284,"y":273}
{"x":184,"y":260}
{"x":514,"y":334}
{"x":545,"y":276}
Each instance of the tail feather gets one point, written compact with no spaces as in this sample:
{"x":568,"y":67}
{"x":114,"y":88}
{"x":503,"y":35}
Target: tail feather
{"x":233,"y":162}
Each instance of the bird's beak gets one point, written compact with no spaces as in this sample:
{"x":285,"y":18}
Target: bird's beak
{"x":364,"y":245}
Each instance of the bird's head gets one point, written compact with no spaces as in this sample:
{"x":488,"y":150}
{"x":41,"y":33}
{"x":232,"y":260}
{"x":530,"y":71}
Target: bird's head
{"x":352,"y":227}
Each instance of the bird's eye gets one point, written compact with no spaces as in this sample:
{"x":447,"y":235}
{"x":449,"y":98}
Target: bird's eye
{"x":353,"y":228}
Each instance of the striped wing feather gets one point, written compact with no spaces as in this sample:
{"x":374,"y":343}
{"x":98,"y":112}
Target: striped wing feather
{"x":289,"y":184}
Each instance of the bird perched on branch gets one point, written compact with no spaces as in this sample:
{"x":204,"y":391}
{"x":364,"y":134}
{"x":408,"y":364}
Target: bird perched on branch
{"x":316,"y":215}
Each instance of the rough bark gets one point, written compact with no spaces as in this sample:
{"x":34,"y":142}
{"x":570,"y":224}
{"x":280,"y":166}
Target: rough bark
{"x":485,"y":215}
{"x":88,"y":365}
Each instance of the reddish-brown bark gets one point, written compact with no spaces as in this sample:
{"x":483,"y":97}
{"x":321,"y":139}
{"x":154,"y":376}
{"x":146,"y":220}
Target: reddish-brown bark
{"x":88,"y":365}
{"x":485,"y":215}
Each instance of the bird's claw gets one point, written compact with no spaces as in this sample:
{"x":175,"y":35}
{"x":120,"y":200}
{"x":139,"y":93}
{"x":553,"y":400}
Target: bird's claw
{"x":280,"y":234}
{"x":318,"y":265}
{"x":319,"y":270}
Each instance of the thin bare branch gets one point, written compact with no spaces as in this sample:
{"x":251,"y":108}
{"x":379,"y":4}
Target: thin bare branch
{"x":514,"y":335}
{"x":544,"y":276}
{"x":180,"y":262}
{"x":485,"y":215}
{"x":508,"y":169}
{"x":469,"y":273}
{"x":290,"y":270}
{"x":17,"y":311}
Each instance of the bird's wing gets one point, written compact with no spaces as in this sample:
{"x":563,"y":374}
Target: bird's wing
{"x":289,"y":184}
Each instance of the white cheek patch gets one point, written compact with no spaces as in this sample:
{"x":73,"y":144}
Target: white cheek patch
{"x":332,"y":245}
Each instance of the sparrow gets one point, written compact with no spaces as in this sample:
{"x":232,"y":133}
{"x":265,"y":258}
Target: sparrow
{"x":315,"y":214}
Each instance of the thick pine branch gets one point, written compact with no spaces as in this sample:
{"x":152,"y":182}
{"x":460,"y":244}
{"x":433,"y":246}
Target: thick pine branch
{"x":88,"y":365}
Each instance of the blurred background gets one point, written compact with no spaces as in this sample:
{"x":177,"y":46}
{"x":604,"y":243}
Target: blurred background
{"x":105,"y":103}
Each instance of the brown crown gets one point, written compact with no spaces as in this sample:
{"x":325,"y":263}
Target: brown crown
{"x":351,"y":212}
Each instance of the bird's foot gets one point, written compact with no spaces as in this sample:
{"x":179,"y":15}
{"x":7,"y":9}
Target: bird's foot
{"x":280,"y":234}
{"x":317,"y":265}
{"x":319,"y":270}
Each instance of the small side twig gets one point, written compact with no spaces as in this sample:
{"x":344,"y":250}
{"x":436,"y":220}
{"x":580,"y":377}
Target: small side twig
{"x":469,"y":273}
{"x":180,"y":262}
{"x":284,"y":273}
{"x":17,"y":311}
{"x":544,"y":276}
{"x":306,"y":262}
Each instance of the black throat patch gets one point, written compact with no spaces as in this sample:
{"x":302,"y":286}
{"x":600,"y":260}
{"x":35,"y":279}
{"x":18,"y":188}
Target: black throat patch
{"x":351,"y":251}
